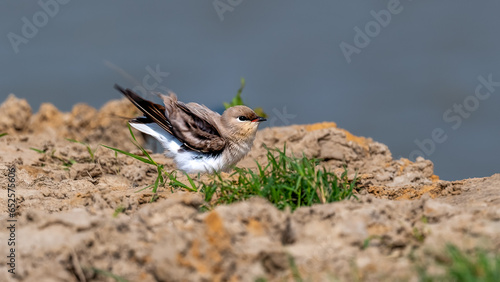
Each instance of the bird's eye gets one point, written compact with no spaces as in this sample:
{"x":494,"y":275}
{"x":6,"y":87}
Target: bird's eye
{"x":242,"y":118}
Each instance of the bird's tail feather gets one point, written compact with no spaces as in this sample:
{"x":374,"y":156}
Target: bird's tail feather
{"x":153,"y":111}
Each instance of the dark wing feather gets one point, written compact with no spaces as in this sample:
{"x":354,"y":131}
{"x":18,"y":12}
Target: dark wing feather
{"x":195,"y":132}
{"x":154,"y":112}
{"x":198,"y":121}
{"x":198,"y":133}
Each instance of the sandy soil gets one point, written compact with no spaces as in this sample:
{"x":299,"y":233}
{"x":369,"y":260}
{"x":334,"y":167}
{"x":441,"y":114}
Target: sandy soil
{"x":66,"y":229}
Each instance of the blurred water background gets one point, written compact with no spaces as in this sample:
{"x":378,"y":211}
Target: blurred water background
{"x":402,"y":72}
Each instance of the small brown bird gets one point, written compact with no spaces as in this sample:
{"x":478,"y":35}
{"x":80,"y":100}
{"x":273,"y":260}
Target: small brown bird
{"x":197,"y":138}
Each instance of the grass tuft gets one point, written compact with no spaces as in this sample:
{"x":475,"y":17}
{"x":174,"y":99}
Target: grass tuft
{"x":460,"y":266}
{"x":3,"y":134}
{"x":285,"y":181}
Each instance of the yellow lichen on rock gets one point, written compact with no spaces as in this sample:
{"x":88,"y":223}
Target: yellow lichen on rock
{"x":320,"y":125}
{"x":362,"y":141}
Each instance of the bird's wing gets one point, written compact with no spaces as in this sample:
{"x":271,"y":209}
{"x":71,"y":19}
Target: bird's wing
{"x":205,"y":113}
{"x":197,"y":132}
{"x":197,"y":128}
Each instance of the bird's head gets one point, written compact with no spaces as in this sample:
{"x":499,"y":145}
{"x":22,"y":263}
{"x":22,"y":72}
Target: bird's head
{"x":240,"y":123}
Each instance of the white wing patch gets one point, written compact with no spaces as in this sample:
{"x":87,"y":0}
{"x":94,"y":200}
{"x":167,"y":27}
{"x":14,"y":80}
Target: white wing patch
{"x":188,"y":161}
{"x":170,"y":143}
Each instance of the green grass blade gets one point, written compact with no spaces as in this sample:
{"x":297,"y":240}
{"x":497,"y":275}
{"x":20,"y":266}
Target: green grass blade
{"x":140,"y":190}
{"x":157,"y":181}
{"x":75,"y":141}
{"x":237,"y":101}
{"x":131,"y":132}
{"x":136,"y":143}
{"x":144,"y":160}
{"x":176,"y":183}
{"x":89,"y":149}
{"x":37,"y":150}
{"x":108,"y":274}
{"x":191,"y":182}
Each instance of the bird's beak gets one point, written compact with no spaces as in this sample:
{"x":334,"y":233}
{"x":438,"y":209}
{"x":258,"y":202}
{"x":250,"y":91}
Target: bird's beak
{"x":259,"y":119}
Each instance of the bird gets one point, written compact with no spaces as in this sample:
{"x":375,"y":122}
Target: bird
{"x":198,"y":139}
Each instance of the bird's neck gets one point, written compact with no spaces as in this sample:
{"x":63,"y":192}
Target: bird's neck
{"x":237,"y":150}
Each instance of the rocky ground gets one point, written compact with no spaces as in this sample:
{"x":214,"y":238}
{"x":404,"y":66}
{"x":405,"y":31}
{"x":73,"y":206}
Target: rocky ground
{"x":68,"y":229}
